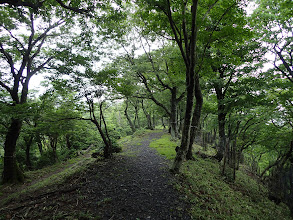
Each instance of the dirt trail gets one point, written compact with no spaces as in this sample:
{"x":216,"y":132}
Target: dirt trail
{"x":133,"y":185}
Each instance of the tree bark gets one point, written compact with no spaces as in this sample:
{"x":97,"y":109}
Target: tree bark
{"x":173,"y":114}
{"x":148,"y":117}
{"x":11,"y":172}
{"x":221,"y":122}
{"x":195,"y":124}
{"x":128,"y":118}
{"x":186,"y":126}
{"x":53,"y":143}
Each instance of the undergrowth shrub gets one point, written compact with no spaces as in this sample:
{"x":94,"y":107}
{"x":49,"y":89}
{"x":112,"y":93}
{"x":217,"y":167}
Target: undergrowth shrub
{"x":65,"y":154}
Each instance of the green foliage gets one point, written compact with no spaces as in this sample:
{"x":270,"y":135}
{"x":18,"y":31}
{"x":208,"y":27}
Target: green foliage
{"x":46,"y":159}
{"x":65,"y":154}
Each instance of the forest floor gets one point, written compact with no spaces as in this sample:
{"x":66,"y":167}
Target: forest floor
{"x":134,"y":184}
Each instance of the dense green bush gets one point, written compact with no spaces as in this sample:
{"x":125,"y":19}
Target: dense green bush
{"x":65,"y":154}
{"x":46,"y":159}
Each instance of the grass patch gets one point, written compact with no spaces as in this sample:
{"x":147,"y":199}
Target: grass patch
{"x":208,"y":151}
{"x":165,"y":146}
{"x":51,"y":175}
{"x":213,"y":197}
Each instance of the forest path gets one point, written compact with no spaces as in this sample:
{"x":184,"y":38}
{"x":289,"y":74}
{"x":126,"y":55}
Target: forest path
{"x":135,"y":184}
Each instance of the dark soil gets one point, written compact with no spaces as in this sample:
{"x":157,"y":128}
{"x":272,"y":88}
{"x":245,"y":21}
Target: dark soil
{"x":136,"y":184}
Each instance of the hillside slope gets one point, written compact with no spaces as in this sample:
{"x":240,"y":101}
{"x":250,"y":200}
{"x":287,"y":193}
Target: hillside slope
{"x":213,"y":196}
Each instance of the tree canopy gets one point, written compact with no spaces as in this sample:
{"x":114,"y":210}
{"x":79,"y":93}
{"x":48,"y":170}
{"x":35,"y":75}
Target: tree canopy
{"x":206,"y":70}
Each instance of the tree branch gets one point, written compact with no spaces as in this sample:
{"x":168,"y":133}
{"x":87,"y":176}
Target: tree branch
{"x":15,"y":38}
{"x":180,"y":97}
{"x":23,"y":3}
{"x":208,"y":11}
{"x":78,"y":10}
{"x":38,"y":4}
{"x":5,"y":87}
{"x":43,"y":35}
{"x":8,"y":58}
{"x":286,"y":65}
{"x":40,"y":67}
{"x":144,"y":81}
{"x":177,"y":35}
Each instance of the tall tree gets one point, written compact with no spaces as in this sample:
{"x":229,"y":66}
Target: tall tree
{"x":186,"y":21}
{"x":22,"y":56}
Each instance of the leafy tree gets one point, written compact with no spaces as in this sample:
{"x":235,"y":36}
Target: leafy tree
{"x":186,"y":22}
{"x":23,"y":56}
{"x":272,"y":20}
{"x":160,"y":72}
{"x":232,"y":68}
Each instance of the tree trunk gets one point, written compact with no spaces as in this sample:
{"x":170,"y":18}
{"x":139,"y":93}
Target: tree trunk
{"x":28,"y":144}
{"x":222,"y":136}
{"x":109,"y":147}
{"x":11,"y":172}
{"x":39,"y":143}
{"x":234,"y":159}
{"x":154,"y":120}
{"x":225,"y":157}
{"x":221,"y":122}
{"x":173,"y":116}
{"x":148,"y":117}
{"x":190,"y":57}
{"x":128,"y":118}
{"x":195,"y":124}
{"x":186,"y":126}
{"x":136,"y":118}
{"x":163,"y":124}
{"x":53,"y":143}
